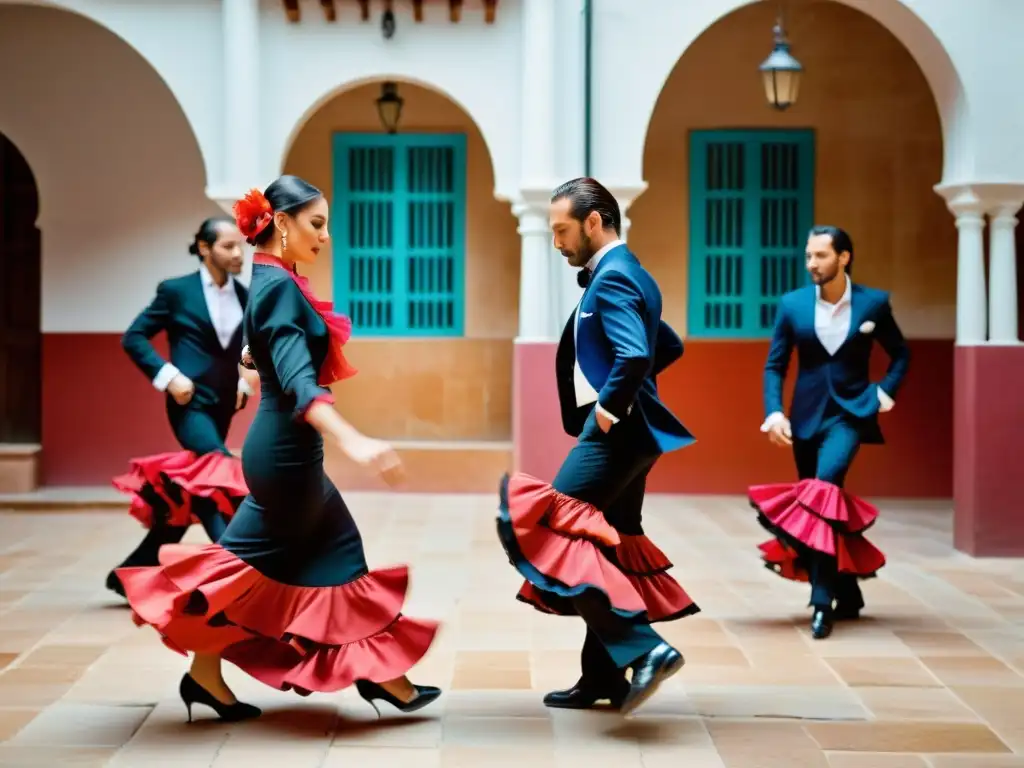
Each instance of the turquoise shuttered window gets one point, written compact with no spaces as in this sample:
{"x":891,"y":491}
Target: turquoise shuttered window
{"x":751,"y":205}
{"x":399,"y":232}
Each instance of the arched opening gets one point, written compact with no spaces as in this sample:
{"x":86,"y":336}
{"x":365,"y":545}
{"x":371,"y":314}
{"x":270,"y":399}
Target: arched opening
{"x":423,"y":258}
{"x":121,"y":182}
{"x":20,"y":294}
{"x":733,"y":186}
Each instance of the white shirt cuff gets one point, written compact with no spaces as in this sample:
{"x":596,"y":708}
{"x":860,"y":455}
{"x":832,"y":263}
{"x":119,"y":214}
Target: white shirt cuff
{"x":603,"y":412}
{"x":243,"y":386}
{"x":885,"y":403}
{"x":165,"y":376}
{"x":773,"y":418}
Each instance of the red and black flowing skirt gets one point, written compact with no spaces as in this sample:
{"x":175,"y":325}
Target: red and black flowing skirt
{"x":175,"y":479}
{"x":815,"y":516}
{"x":564,"y":547}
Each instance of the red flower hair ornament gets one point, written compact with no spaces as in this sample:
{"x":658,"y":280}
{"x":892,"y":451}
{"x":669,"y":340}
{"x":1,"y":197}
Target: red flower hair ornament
{"x":253,"y":214}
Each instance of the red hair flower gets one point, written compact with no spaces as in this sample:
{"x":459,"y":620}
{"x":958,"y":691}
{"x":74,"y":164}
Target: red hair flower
{"x":253,"y":213}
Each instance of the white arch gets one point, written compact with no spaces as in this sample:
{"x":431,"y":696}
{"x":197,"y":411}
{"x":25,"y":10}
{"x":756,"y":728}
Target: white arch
{"x":118,"y":25}
{"x":488,"y":122}
{"x":688,"y":21}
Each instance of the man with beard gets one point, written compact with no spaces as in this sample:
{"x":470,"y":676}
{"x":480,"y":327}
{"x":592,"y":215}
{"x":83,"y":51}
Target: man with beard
{"x":201,"y":313}
{"x":579,"y":542}
{"x":818,"y":527}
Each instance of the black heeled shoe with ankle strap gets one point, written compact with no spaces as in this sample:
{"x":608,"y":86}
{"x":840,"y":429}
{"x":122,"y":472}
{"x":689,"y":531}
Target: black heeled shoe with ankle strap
{"x":193,"y":693}
{"x":425,"y":694}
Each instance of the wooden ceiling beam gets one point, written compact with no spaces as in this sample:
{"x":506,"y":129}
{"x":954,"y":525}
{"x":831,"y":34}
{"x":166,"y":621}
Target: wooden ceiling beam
{"x":417,"y":10}
{"x":330,"y":12}
{"x":364,"y":10}
{"x":490,"y":10}
{"x":454,"y":10}
{"x":291,"y":10}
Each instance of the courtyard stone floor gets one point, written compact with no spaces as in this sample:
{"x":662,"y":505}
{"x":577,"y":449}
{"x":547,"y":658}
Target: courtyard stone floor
{"x":931,"y":677}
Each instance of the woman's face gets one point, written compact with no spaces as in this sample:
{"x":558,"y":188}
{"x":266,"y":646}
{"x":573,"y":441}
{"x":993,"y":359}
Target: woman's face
{"x":307,"y":232}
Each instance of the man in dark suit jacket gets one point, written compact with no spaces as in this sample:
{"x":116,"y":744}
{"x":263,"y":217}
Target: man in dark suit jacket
{"x":833,"y":323}
{"x":201,"y":313}
{"x":579,"y":542}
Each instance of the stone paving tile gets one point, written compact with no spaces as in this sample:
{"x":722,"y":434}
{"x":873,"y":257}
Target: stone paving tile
{"x":932,"y":676}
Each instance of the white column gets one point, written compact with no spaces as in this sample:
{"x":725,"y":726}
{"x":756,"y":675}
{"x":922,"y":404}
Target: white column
{"x":569,"y":139}
{"x":240,"y":30}
{"x":538,"y":178}
{"x":971,"y":319}
{"x":536,"y":318}
{"x":1002,"y":274}
{"x":538,"y":95}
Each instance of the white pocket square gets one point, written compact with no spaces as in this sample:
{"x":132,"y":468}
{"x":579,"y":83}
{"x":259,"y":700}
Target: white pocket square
{"x":867,"y":327}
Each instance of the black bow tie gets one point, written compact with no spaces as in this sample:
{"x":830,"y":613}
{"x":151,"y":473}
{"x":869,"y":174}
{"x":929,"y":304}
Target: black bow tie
{"x":583,"y":278}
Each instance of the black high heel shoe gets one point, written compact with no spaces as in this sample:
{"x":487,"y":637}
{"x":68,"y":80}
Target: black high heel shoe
{"x":114,"y":584}
{"x":193,"y":693}
{"x":425,"y":694}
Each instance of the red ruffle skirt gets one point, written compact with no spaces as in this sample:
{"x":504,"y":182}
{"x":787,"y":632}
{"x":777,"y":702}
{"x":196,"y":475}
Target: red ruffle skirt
{"x":819,"y":516}
{"x":564,"y":546}
{"x":207,"y":600}
{"x":177,"y":478}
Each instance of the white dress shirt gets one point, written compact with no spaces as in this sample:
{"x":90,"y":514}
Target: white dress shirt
{"x":585,"y":392}
{"x":226,"y":314}
{"x":832,"y":326}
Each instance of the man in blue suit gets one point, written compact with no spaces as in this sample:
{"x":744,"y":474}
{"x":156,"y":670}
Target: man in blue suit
{"x":579,"y":542}
{"x":833,"y":323}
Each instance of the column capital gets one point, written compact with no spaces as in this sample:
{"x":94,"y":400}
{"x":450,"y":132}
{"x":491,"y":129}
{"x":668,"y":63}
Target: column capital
{"x":225,"y":195}
{"x":963,"y":201}
{"x":626,"y":193}
{"x":996,"y":199}
{"x":533,"y":196}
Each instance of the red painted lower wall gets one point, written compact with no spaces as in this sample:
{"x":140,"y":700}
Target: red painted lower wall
{"x":989,"y":425}
{"x":716,"y":391}
{"x":98,"y":411}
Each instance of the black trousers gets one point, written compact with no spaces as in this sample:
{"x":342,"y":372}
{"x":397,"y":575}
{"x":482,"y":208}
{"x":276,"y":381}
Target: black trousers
{"x":610,"y":471}
{"x":201,"y":430}
{"x":828,"y":457}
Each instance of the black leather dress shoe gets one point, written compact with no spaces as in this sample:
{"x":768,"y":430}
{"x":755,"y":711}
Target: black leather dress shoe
{"x":821,"y":624}
{"x":580,"y":697}
{"x":649,"y":672}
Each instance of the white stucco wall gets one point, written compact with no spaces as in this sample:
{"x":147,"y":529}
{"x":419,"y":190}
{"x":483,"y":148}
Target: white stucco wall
{"x":126,"y":131}
{"x":120,"y":175}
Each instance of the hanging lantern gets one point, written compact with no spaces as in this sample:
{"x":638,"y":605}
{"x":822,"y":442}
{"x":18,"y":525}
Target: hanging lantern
{"x":781,"y":73}
{"x":389,"y":106}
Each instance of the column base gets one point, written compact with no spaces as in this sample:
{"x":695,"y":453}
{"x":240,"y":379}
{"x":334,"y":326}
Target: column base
{"x":988,"y":422}
{"x":539,"y":443}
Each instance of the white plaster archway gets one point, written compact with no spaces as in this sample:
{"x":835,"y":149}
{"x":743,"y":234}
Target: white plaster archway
{"x":619,"y":144}
{"x":134,"y":31}
{"x":119,"y":170}
{"x":502,"y":147}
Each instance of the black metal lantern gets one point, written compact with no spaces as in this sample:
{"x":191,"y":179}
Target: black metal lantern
{"x":389,"y":106}
{"x":781,"y":73}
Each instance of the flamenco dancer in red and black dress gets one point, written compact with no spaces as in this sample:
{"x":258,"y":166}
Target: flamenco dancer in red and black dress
{"x":286,"y":594}
{"x":819,"y":527}
{"x":579,"y":542}
{"x":201,"y":313}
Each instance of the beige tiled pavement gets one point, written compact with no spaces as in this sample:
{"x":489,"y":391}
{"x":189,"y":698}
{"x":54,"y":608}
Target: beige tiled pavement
{"x":931,"y":677}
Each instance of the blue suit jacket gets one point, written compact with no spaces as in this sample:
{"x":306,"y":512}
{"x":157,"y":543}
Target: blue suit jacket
{"x":622,"y":344}
{"x":841,"y":378}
